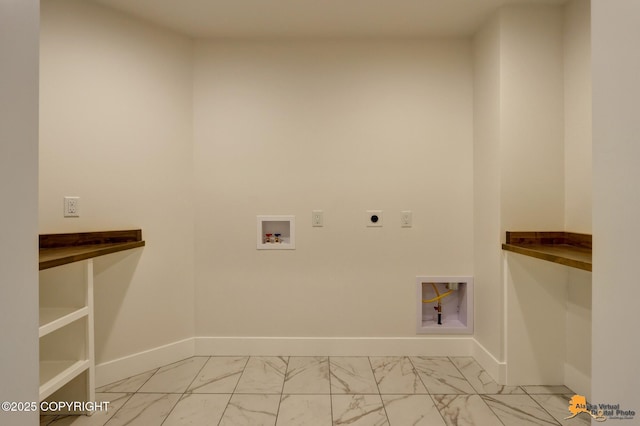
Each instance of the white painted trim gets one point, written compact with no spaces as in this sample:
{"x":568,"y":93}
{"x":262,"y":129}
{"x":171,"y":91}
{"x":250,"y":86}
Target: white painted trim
{"x":121,"y":368}
{"x":505,"y":315}
{"x":496,"y":369}
{"x":335,"y":346}
{"x":130,"y":365}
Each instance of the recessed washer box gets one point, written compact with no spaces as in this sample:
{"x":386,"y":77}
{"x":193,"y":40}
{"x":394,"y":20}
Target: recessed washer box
{"x":276,"y":232}
{"x":457,"y":306}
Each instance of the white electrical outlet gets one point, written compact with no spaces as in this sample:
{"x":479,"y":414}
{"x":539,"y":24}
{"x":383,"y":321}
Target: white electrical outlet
{"x":406,"y":219}
{"x":374,"y":218}
{"x":317,"y":218}
{"x":71,"y":206}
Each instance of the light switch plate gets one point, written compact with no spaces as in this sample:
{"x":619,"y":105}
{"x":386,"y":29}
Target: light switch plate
{"x":406,"y":219}
{"x":317,"y":218}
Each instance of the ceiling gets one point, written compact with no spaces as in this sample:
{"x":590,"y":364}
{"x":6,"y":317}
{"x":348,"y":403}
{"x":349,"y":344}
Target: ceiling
{"x":316,"y":18}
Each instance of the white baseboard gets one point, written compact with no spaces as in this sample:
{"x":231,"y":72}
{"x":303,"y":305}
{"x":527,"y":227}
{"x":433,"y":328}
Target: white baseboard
{"x":334,"y":346}
{"x":137,"y":363}
{"x":121,"y":368}
{"x":496,"y":369}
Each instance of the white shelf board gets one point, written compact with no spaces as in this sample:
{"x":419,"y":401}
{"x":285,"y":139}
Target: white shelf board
{"x":55,"y":374}
{"x":52,"y":319}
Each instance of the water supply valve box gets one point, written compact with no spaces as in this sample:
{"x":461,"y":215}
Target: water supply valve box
{"x":276,"y":232}
{"x":444,"y":305}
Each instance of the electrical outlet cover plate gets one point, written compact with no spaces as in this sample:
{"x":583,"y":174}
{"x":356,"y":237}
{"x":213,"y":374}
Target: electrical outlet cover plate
{"x":71,"y":206}
{"x":374,"y":218}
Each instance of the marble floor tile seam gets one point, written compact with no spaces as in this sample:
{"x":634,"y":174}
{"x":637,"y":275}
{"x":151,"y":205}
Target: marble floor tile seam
{"x":178,"y":402}
{"x":333,"y":393}
{"x":470,"y":390}
{"x":252,"y":356}
{"x":196,"y":375}
{"x":322,"y":393}
{"x":548,"y":411}
{"x":560,"y":389}
{"x":284,"y":380}
{"x":529,"y":391}
{"x":384,"y":405}
{"x":420,"y":377}
{"x":155,"y":370}
{"x":375,"y":379}
{"x":544,"y":410}
{"x":533,"y":389}
{"x":329,"y":393}
{"x":476,"y":390}
{"x":559,"y":411}
{"x":109,"y":386}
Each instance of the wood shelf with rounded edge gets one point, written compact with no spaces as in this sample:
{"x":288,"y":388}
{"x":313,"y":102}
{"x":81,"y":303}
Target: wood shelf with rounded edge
{"x":61,"y":249}
{"x":565,"y":248}
{"x":66,"y":311}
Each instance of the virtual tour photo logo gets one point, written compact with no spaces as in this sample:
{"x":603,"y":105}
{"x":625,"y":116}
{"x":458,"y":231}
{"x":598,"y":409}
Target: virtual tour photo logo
{"x":598,"y":412}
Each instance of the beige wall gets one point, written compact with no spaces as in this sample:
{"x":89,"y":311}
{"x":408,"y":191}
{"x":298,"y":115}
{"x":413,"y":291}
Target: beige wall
{"x":288,"y":127}
{"x":115,"y":127}
{"x":532,"y":190}
{"x":518,"y":155}
{"x":532,"y":126}
{"x":577,"y":116}
{"x":535,"y":320}
{"x":192,"y":144}
{"x":577,"y":368}
{"x":616,"y":202}
{"x":578,"y":183}
{"x":489,"y":323}
{"x":529,"y":74}
{"x":18,"y":215}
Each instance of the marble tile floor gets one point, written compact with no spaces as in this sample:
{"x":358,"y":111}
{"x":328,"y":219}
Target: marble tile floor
{"x":355,"y":391}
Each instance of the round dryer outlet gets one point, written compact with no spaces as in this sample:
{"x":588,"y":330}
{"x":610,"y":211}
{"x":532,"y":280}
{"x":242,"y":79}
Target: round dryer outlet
{"x":374,"y":218}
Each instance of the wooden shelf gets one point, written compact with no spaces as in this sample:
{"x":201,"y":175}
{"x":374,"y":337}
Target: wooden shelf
{"x":58,"y":313}
{"x":565,"y":248}
{"x":61,"y":249}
